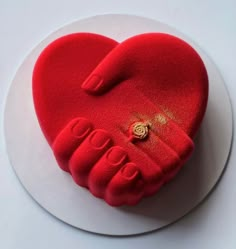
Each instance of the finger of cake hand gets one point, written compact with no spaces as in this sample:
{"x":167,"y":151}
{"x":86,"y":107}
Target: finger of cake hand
{"x":102,"y":173}
{"x":69,"y":139}
{"x":153,"y":176}
{"x":171,"y":134}
{"x":126,"y":187}
{"x":88,"y":154}
{"x":109,"y":72}
{"x":163,"y":155}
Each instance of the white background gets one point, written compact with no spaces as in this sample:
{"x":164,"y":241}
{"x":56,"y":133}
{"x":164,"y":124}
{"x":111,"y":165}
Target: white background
{"x":211,"y":24}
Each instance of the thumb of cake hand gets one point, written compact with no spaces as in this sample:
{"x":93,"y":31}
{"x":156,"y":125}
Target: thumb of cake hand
{"x":108,"y":73}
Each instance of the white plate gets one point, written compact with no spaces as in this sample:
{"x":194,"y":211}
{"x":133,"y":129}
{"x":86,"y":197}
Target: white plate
{"x":55,"y":191}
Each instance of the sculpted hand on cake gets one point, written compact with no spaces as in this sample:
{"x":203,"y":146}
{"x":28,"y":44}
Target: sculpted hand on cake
{"x":120,"y":117}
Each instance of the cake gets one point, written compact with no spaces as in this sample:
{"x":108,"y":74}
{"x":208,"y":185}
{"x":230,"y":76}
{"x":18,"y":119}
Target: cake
{"x":120,"y":117}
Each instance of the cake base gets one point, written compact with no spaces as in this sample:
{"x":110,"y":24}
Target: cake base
{"x":54,"y":190}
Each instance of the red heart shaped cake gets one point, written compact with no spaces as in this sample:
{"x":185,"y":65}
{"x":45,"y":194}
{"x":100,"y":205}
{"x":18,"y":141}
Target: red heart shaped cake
{"x":120,"y":117}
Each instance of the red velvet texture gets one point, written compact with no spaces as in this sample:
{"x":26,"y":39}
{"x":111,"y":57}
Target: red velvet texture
{"x":89,"y":91}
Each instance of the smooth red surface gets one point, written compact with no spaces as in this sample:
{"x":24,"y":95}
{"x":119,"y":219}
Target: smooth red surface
{"x":89,"y":90}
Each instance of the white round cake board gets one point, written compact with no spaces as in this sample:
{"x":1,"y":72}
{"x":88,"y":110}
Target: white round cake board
{"x":54,"y":190}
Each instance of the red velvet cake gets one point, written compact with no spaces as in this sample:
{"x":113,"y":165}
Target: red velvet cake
{"x":120,"y":117}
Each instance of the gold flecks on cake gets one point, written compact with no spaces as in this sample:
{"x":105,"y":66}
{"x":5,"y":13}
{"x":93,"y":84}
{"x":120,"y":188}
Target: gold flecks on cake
{"x":161,"y":119}
{"x":171,"y":115}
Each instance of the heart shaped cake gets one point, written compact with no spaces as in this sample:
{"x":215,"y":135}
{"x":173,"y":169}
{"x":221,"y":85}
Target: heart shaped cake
{"x":120,"y":117}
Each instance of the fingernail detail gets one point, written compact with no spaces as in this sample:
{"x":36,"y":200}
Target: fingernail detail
{"x":130,"y":170}
{"x":100,"y":139}
{"x":92,"y":83}
{"x":81,"y":128}
{"x":116,"y":155}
